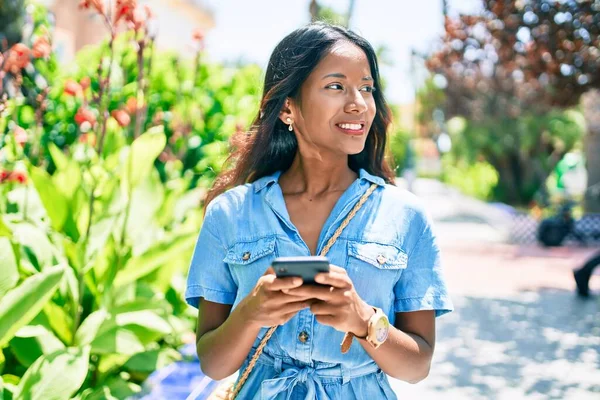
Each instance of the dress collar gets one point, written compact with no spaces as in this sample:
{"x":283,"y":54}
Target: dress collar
{"x":265,"y":181}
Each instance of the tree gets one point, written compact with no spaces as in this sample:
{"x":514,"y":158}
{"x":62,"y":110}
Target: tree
{"x":522,"y":58}
{"x":11,"y":22}
{"x":319,"y":12}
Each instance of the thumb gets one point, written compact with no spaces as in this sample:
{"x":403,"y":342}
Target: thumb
{"x":269,"y":271}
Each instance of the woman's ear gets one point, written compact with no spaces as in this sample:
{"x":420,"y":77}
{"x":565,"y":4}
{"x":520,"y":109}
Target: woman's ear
{"x":286,"y":114}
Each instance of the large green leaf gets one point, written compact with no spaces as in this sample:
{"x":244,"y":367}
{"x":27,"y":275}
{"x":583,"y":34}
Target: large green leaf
{"x":60,"y":321}
{"x":142,"y":153}
{"x":146,"y":199}
{"x":88,"y":330}
{"x":152,"y":360}
{"x":54,"y":201}
{"x":117,"y":340}
{"x":60,"y":159}
{"x":4,"y":230}
{"x":34,"y":239}
{"x":109,"y":363}
{"x":116,"y":388}
{"x":68,"y":181}
{"x":27,"y":199}
{"x":148,"y":320}
{"x":55,"y":376}
{"x":23,"y":303}
{"x":9,"y":272}
{"x":33,"y":341}
{"x":158,"y":255}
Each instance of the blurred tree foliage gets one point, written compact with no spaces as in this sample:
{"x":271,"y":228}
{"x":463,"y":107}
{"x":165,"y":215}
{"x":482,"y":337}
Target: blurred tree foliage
{"x":11,"y":22}
{"x":506,"y":69}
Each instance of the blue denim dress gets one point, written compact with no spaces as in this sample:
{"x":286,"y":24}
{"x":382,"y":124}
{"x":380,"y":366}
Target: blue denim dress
{"x":388,"y":249}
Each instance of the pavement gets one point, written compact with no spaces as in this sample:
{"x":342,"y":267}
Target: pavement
{"x":518,"y":330}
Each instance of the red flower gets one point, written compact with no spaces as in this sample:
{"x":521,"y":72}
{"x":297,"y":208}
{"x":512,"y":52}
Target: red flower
{"x":20,"y":136}
{"x":14,"y":176}
{"x":85,"y":115}
{"x":98,"y":5}
{"x":122,"y":117}
{"x":124,"y":10}
{"x":72,"y":88}
{"x":4,"y":174}
{"x":17,"y":59}
{"x":18,"y":176}
{"x":41,"y":47}
{"x":85,"y":82}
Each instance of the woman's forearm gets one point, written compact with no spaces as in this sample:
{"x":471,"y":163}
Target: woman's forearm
{"x":223,"y":350}
{"x":403,"y":356}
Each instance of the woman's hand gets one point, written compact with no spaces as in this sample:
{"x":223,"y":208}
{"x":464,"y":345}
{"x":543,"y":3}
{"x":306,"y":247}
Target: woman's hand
{"x":336,"y":303}
{"x":267,"y":305}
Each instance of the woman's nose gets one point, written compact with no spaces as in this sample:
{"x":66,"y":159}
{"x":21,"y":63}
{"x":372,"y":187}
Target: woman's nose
{"x":356,"y":103}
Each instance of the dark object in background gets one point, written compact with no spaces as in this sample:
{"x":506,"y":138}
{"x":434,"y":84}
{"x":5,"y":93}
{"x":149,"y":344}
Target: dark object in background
{"x":553,"y":230}
{"x":582,"y":276}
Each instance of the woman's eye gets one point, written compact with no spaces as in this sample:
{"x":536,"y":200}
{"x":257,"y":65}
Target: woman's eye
{"x":368,"y":89}
{"x":336,"y":86}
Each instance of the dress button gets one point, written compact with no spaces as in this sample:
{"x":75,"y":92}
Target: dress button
{"x":246,"y":256}
{"x":381,"y":259}
{"x":303,"y":337}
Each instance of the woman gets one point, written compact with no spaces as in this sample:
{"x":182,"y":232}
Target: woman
{"x":316,"y":146}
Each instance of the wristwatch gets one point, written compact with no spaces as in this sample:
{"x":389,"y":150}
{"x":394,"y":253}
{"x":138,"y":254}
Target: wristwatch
{"x":377,"y":331}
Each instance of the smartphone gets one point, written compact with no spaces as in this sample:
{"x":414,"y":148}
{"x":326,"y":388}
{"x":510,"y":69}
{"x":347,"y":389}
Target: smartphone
{"x":305,"y":267}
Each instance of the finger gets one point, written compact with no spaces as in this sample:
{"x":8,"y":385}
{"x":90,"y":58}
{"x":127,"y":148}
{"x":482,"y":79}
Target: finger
{"x":285,"y":318}
{"x":283,"y":283}
{"x":335,"y":268}
{"x":335,"y":279}
{"x":269,"y":271}
{"x":325,"y":293}
{"x":323,"y":308}
{"x":326,"y":319}
{"x":294,"y":307}
{"x":283,"y":298}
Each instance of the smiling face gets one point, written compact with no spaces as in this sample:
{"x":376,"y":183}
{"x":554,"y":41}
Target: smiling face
{"x":336,"y":107}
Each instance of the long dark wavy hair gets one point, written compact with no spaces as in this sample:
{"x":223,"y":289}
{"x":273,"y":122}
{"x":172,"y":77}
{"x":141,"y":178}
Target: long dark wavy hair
{"x":269,"y":146}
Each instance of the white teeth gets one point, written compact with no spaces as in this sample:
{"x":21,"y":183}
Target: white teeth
{"x":352,"y":127}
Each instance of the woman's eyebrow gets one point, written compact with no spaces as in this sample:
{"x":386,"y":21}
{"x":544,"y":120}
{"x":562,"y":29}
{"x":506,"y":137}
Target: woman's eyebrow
{"x":340,"y":75}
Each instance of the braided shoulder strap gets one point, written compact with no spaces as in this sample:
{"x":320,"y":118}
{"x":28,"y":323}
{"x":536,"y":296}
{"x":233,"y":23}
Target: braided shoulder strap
{"x":265,"y":339}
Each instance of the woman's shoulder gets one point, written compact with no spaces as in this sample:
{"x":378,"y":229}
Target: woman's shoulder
{"x":229,"y":202}
{"x":397,"y":199}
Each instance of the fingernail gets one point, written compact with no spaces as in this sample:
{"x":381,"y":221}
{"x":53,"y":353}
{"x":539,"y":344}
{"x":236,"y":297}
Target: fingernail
{"x":285,"y":290}
{"x":319,"y":279}
{"x":297,"y":281}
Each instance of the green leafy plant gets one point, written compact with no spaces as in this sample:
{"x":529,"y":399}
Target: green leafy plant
{"x":103,"y":169}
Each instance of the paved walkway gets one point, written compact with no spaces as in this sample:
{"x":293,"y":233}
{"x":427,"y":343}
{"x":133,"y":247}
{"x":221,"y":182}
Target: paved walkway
{"x":518,"y":331}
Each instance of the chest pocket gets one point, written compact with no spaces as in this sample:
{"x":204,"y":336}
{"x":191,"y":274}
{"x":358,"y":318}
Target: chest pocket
{"x":249,"y":259}
{"x":374,"y":269}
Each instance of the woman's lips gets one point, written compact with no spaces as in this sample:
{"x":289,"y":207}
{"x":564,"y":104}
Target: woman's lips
{"x":354,"y":129}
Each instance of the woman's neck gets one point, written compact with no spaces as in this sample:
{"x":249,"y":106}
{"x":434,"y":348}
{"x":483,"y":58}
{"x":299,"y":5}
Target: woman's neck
{"x":316,"y":177}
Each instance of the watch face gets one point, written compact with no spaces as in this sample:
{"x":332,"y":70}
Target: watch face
{"x":382,"y":329}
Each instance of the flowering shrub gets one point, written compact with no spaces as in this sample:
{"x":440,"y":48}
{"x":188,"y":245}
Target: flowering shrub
{"x":103,"y":167}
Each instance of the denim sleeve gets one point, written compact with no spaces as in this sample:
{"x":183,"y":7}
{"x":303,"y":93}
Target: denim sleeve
{"x":209,"y":277}
{"x":421,"y":285}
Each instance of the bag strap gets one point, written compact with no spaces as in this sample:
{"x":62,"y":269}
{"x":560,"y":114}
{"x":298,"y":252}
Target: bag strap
{"x":265,"y":339}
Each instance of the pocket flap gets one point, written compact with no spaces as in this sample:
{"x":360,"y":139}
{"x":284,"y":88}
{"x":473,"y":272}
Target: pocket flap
{"x":379,"y":255}
{"x":246,"y":252}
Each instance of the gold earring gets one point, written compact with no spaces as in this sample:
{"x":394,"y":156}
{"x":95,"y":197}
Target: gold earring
{"x":290,"y":128}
